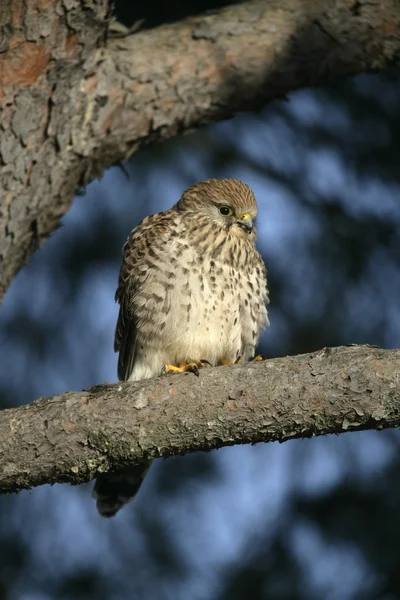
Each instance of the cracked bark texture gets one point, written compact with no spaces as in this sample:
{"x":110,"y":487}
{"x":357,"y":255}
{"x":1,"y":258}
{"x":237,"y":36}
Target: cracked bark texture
{"x":72,"y":102}
{"x":71,"y":437}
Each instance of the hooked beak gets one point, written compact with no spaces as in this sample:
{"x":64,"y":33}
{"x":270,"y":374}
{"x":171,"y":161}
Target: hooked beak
{"x":246,"y":222}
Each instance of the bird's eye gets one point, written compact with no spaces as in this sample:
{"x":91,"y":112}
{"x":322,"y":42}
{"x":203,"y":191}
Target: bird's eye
{"x":226,"y":211}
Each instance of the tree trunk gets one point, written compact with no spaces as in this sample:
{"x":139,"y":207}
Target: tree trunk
{"x":73,"y":102}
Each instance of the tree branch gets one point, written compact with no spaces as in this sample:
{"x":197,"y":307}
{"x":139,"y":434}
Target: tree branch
{"x":72,"y":105}
{"x":71,"y":437}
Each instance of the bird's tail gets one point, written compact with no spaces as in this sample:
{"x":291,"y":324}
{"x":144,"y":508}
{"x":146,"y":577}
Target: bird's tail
{"x":113,"y":490}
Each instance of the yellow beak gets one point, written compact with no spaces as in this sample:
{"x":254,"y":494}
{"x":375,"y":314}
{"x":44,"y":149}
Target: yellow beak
{"x":246,"y":222}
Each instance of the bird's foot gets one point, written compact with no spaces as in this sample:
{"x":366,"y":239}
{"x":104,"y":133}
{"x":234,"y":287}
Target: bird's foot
{"x":226,"y":361}
{"x":258,"y":358}
{"x":191,"y":367}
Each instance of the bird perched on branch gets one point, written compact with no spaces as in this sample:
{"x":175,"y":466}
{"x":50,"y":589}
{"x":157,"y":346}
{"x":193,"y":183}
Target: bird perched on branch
{"x":192,"y":292}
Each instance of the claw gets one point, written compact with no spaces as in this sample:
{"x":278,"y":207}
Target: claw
{"x":193,"y":368}
{"x":203,"y":360}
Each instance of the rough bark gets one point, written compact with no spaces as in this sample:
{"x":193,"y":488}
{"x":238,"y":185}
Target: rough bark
{"x":73,"y":103}
{"x":71,"y":437}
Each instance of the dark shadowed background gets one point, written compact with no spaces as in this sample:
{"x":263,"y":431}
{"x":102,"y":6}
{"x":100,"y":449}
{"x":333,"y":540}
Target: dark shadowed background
{"x":306,"y":520}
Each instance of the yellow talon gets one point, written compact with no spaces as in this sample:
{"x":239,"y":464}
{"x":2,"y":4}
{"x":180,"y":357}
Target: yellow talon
{"x":192,"y":367}
{"x":257,"y":358}
{"x":226,"y":362}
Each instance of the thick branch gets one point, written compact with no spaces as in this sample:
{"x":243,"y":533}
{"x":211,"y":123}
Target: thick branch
{"x":72,"y":106}
{"x":68,"y":438}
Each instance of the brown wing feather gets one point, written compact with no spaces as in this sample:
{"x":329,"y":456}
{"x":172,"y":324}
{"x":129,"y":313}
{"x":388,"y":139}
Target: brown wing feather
{"x":125,"y":344}
{"x":125,"y":331}
{"x":130,"y":278}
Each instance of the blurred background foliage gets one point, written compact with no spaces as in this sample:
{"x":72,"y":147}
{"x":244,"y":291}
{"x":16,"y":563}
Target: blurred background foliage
{"x":305,"y":520}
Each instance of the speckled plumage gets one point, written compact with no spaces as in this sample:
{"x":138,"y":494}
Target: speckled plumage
{"x":192,"y":286}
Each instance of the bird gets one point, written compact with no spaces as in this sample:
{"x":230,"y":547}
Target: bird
{"x":192,"y":293}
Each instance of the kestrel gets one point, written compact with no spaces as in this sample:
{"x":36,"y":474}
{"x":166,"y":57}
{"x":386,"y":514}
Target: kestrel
{"x":192,"y":290}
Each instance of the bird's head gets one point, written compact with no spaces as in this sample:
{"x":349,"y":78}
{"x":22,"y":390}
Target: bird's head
{"x":228,"y":204}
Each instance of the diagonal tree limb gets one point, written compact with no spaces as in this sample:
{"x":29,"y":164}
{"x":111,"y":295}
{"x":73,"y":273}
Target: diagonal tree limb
{"x":70,"y":437}
{"x":72,"y":102}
